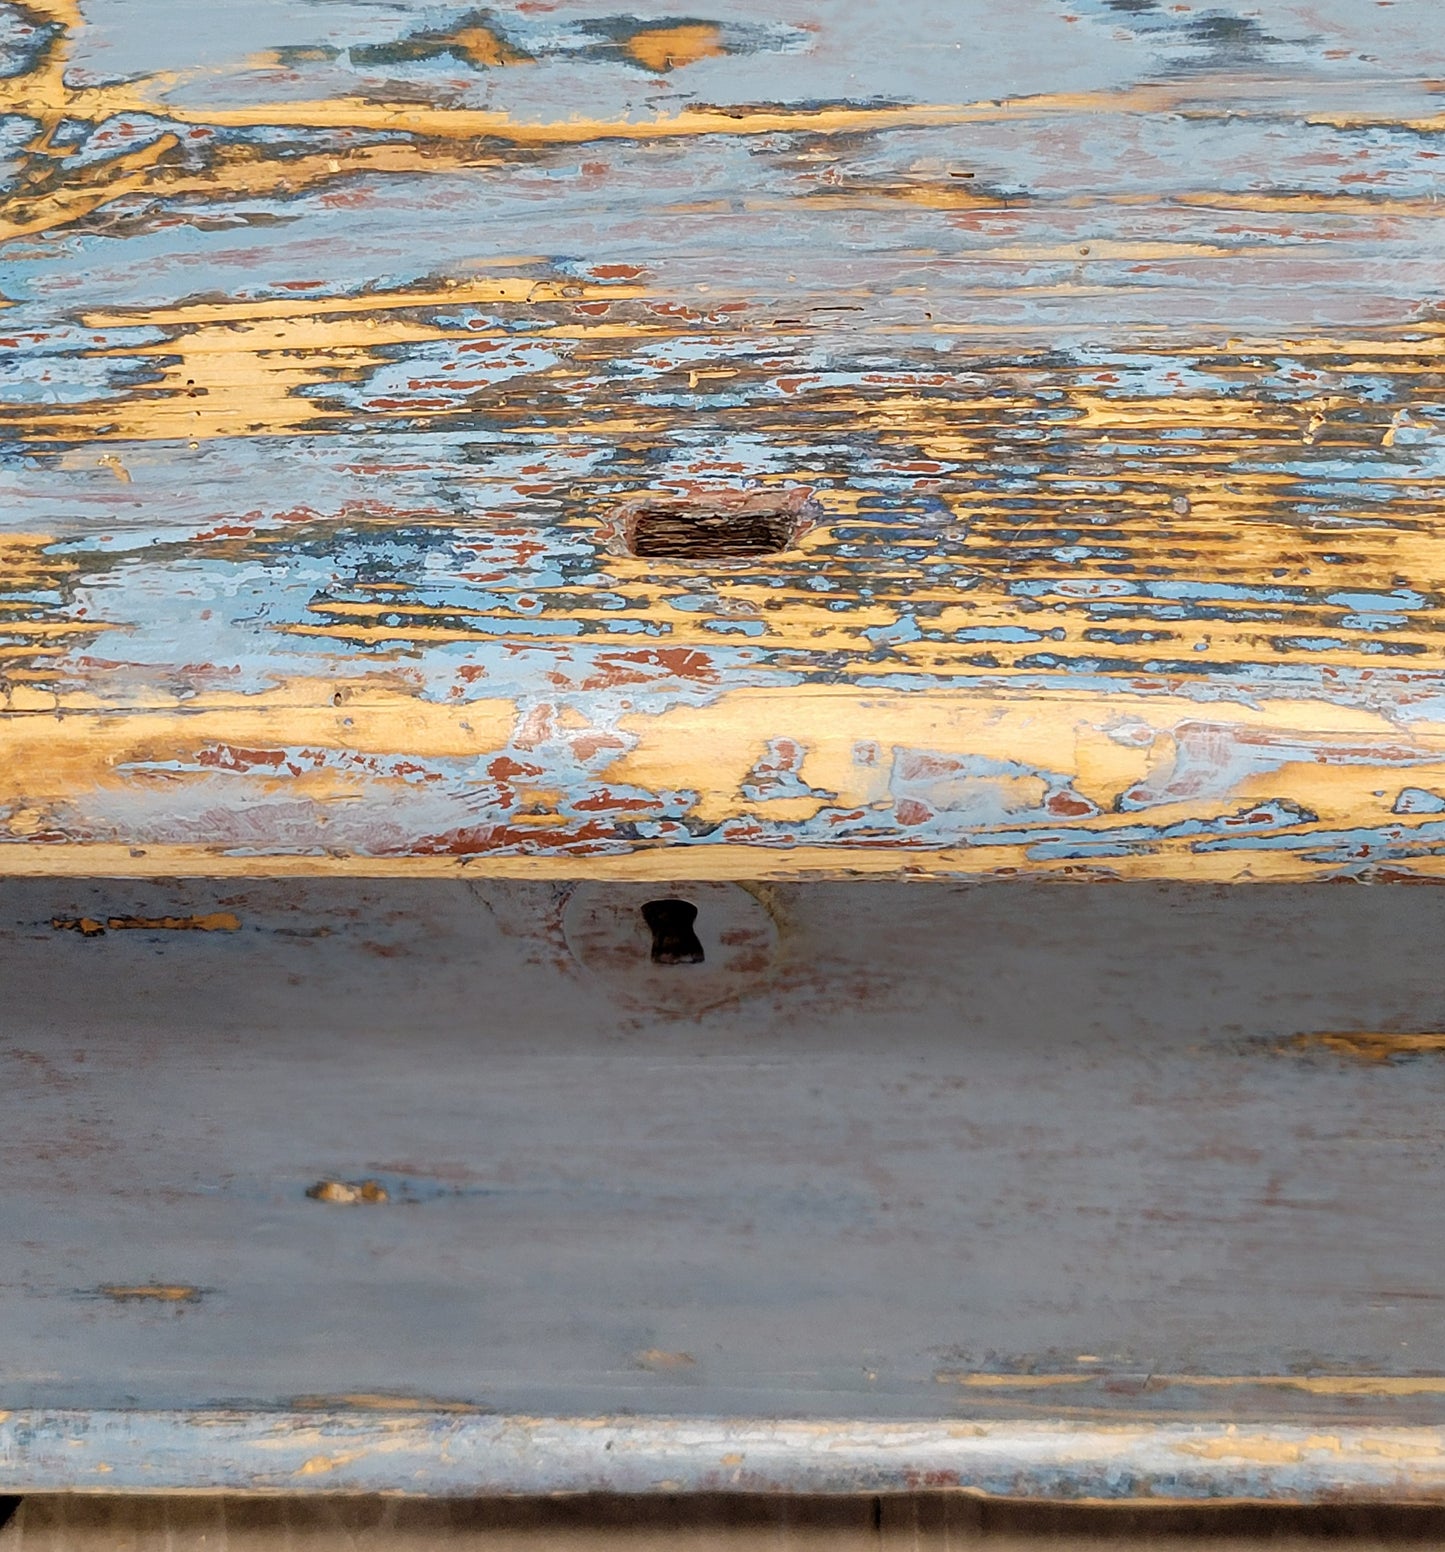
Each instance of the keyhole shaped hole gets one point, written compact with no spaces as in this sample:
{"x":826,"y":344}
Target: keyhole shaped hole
{"x":673,"y":940}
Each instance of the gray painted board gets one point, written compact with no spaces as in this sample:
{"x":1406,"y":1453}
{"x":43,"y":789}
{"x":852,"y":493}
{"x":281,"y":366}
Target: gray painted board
{"x":1042,"y":1160}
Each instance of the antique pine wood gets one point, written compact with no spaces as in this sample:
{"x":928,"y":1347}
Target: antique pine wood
{"x":1098,"y":341}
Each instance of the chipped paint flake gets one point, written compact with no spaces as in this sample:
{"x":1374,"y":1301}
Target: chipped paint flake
{"x":159,"y":1293}
{"x":349,"y":1193}
{"x":1379,"y":1047}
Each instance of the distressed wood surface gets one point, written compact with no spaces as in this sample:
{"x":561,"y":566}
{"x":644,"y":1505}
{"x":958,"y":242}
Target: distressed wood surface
{"x":1106,"y":336}
{"x":414,"y":1185}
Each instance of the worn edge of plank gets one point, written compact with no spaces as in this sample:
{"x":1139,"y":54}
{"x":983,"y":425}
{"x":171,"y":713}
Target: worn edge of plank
{"x":415,"y":1450}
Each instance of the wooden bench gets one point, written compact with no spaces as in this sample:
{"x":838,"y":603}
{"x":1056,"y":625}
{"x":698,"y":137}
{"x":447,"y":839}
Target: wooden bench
{"x":548,"y":556}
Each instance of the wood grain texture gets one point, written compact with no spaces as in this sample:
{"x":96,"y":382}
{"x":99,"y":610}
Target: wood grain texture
{"x":1107,"y":336}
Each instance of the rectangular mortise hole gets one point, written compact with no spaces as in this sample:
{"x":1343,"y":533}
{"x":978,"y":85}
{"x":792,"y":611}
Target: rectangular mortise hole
{"x":686,"y":531}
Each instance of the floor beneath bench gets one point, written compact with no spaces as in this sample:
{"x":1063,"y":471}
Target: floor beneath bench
{"x":896,"y":1523}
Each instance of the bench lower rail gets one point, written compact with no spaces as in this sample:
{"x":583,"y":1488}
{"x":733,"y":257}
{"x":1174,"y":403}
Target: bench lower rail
{"x":441,"y":1453}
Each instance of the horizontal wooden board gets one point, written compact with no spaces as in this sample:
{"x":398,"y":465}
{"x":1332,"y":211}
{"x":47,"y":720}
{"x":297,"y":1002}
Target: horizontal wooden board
{"x":1124,"y":1191}
{"x":1106,"y":336}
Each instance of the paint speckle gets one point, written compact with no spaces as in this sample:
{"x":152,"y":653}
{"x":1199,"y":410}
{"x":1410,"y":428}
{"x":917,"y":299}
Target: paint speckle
{"x":349,"y":1193}
{"x":150,"y":1293}
{"x":661,"y":1361}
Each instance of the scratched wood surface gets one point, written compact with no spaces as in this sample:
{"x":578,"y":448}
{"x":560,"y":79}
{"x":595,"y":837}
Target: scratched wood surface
{"x":1164,"y":1221}
{"x":1101,"y":338}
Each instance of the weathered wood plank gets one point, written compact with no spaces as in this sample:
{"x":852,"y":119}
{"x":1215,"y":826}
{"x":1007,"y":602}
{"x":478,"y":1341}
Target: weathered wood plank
{"x":1106,"y":337}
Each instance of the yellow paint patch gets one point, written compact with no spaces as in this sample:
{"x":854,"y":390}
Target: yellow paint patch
{"x":483,"y":47}
{"x":89,"y":927}
{"x":86,"y":926}
{"x":1375,"y":1048}
{"x":480,"y":123}
{"x":1263,"y":1450}
{"x":47,"y":757}
{"x":496,"y":289}
{"x":215,"y":921}
{"x":349,"y":1193}
{"x":670,"y":48}
{"x":159,"y":1293}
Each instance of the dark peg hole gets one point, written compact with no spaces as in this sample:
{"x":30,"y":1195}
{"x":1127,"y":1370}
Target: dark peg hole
{"x":673,"y":940}
{"x":687,"y":531}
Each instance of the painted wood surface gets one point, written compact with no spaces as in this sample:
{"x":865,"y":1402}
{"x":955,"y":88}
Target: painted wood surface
{"x":421,"y":1451}
{"x":1105,"y":335}
{"x":427,"y":1186}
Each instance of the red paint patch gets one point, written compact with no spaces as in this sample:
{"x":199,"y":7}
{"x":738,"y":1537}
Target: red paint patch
{"x":503,"y":768}
{"x":622,"y":668}
{"x":1069,"y":805}
{"x":229,"y":757}
{"x":604,"y":800}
